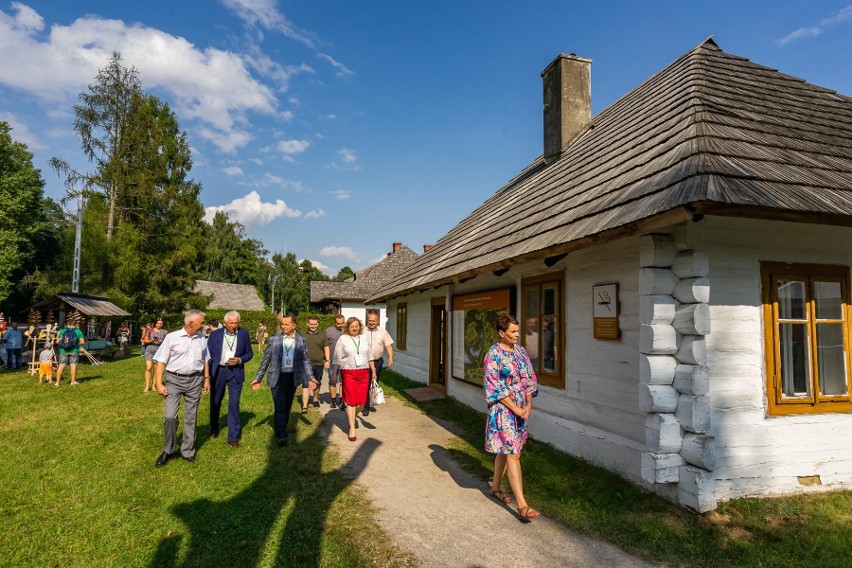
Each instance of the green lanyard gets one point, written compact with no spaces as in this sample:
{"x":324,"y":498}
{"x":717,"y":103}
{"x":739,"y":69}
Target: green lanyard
{"x":230,"y":343}
{"x":357,"y":345}
{"x":288,"y":349}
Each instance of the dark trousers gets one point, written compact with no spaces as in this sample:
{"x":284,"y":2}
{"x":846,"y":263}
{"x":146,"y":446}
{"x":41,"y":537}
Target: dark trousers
{"x":282,"y":401}
{"x":226,"y":377}
{"x":378,"y":363}
{"x":14,"y":357}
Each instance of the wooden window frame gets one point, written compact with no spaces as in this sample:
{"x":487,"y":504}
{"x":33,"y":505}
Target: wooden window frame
{"x":809,"y":273}
{"x":557,"y":378}
{"x":401,"y":326}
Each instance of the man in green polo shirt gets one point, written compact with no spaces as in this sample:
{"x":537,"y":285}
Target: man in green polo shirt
{"x":70,"y":340}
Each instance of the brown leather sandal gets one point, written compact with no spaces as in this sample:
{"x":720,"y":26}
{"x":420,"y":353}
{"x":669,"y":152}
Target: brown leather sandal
{"x":527,"y":514}
{"x":500,"y":496}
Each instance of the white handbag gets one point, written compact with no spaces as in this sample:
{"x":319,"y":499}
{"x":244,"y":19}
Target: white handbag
{"x":377,"y":394}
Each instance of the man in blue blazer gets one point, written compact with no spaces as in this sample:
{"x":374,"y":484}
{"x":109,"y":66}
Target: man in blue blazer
{"x":230,"y":349}
{"x":287,"y":365}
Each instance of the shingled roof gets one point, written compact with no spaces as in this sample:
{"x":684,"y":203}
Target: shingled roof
{"x":230,"y":296}
{"x":367,"y":281}
{"x":711,"y":133}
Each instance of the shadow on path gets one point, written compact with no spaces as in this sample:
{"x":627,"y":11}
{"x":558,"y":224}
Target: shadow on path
{"x":241,"y":531}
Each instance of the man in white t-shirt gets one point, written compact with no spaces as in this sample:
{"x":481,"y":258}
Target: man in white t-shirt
{"x":379,"y":341}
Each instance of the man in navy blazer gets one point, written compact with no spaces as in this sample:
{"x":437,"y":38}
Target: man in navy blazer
{"x":287,"y":365}
{"x":230,"y":349}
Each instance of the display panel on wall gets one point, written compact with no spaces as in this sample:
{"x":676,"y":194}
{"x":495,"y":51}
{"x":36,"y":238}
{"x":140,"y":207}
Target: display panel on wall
{"x":474,"y":331}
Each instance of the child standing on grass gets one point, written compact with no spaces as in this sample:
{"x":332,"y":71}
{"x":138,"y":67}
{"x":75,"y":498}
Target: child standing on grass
{"x":45,"y":363}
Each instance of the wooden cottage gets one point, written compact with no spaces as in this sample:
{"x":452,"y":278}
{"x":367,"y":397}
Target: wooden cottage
{"x":680,"y":266}
{"x":349,"y":297}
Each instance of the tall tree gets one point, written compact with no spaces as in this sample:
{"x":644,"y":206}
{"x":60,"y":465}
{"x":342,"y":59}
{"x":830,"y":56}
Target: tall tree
{"x":29,"y":235}
{"x":143,"y":213}
{"x":229,"y":255}
{"x":343,"y":274}
{"x":101,"y":122}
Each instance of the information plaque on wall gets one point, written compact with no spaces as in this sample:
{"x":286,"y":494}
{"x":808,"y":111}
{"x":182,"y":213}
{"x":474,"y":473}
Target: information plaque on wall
{"x":605,"y":311}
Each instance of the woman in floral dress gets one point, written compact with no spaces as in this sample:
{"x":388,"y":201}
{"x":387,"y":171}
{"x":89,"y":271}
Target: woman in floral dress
{"x":510,"y":385}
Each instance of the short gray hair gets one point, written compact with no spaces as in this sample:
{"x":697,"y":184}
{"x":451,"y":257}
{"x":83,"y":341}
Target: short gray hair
{"x":192,"y":314}
{"x":232,"y":314}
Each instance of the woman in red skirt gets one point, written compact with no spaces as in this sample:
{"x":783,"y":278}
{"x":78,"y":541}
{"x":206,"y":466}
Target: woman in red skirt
{"x":352,"y":353}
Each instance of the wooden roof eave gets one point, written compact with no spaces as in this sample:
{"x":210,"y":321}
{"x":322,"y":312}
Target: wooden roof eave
{"x":665,"y":219}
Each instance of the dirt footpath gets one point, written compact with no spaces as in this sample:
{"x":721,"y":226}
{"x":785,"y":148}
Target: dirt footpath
{"x":442,"y":514}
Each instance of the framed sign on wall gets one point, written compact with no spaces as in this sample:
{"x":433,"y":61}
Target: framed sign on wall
{"x":605,"y":311}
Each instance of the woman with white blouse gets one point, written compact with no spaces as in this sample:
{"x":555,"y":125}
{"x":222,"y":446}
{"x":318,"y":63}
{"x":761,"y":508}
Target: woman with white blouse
{"x":352,"y":353}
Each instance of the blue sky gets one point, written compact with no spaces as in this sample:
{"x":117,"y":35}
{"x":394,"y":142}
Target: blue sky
{"x":332,"y":129}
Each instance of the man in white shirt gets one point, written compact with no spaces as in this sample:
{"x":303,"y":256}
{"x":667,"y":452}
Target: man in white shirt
{"x":184,"y":357}
{"x":379,"y":341}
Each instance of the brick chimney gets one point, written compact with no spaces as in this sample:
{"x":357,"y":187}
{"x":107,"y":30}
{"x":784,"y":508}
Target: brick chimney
{"x":567,"y":102}
{"x":396,"y":247}
{"x":427,"y":247}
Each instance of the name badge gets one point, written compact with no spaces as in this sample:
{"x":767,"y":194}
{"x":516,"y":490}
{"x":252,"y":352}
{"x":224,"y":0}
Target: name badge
{"x":359,"y":360}
{"x":288,"y":361}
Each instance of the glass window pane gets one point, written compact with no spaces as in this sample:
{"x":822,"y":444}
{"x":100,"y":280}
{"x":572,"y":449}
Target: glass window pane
{"x":829,"y":304}
{"x":795,"y":356}
{"x":549,"y":344}
{"x":550,"y":303}
{"x":831,"y":358}
{"x":791,"y":299}
{"x":532,"y":301}
{"x":531,"y":340}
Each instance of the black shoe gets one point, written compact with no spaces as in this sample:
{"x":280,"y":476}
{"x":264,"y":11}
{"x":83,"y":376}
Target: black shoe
{"x":365,"y":412}
{"x":190,"y":459}
{"x":333,"y":404}
{"x":161,"y":461}
{"x":214,"y":433}
{"x":282,"y":442}
{"x":372,"y":409}
{"x":316,"y":404}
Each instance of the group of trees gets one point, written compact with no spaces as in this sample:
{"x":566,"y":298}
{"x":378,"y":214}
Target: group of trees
{"x":144,"y":242}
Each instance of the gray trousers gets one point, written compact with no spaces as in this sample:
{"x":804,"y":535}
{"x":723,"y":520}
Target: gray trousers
{"x":190,"y":389}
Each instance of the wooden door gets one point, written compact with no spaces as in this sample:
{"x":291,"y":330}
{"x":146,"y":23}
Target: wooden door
{"x":438,"y":346}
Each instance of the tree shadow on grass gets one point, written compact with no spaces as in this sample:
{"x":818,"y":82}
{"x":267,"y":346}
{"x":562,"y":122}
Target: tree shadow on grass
{"x":241,"y":531}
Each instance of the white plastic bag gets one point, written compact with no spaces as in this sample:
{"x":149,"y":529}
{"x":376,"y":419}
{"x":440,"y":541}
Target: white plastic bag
{"x":377,"y":394}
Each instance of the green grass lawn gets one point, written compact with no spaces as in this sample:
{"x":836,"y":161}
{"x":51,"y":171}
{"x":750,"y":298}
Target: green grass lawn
{"x":78,"y":486}
{"x":801,"y":531}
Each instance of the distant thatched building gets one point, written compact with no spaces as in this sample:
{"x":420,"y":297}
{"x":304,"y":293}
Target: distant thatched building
{"x":230,"y":296}
{"x":348,"y":297}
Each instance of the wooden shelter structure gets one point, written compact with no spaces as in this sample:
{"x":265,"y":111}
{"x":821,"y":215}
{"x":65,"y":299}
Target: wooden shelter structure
{"x":717,"y":195}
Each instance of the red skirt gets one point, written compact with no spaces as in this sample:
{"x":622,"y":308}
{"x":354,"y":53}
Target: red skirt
{"x":356,"y":383}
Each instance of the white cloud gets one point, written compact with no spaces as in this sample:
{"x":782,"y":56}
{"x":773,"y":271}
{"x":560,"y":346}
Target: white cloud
{"x":269,"y":179}
{"x":287,"y":115}
{"x":211,"y":86}
{"x":316,"y":214}
{"x":350,"y":160}
{"x":257,"y":161}
{"x":341,"y":70}
{"x":251,"y":211}
{"x":265,"y":14}
{"x":344,"y":252}
{"x":20,"y":132}
{"x":341,"y":194}
{"x":843,"y":15}
{"x":233,"y":171}
{"x":293,"y":146}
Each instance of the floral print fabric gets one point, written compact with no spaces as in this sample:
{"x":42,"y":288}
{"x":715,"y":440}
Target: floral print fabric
{"x":506,"y":374}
